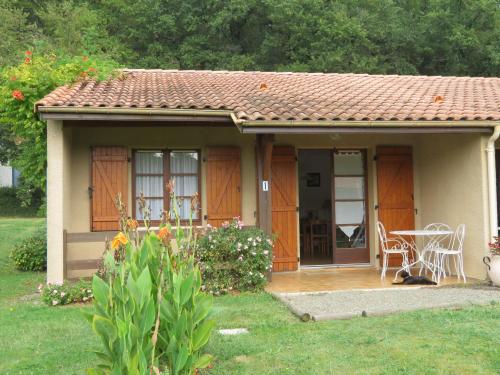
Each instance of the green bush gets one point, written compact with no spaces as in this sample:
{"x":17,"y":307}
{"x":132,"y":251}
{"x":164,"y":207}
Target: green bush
{"x":11,"y":204}
{"x":31,"y":253}
{"x":234,"y":258}
{"x":57,"y":295}
{"x":149,"y":311}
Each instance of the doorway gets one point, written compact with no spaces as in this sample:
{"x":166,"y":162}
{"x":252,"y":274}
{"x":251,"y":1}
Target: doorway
{"x":332,"y":209}
{"x":315,"y":207}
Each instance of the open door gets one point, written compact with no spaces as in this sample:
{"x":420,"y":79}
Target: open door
{"x":284,"y":208}
{"x":395,"y":192}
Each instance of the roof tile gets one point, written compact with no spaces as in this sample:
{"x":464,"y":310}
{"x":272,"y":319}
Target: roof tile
{"x":262,"y":96}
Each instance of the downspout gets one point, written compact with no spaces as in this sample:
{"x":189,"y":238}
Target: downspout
{"x":492,"y":183}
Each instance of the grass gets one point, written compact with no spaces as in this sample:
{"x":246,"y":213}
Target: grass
{"x":35,"y":339}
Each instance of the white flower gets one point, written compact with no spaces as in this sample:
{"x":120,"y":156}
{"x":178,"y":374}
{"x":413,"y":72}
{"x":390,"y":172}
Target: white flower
{"x":254,"y":253}
{"x":62,"y":294}
{"x":258,"y":239}
{"x":261,"y":275}
{"x":240,"y":258}
{"x":269,"y":242}
{"x":89,"y":290}
{"x":266,"y":252}
{"x":54,"y":302}
{"x":54,"y":291}
{"x":84,"y":299}
{"x":250,"y":273}
{"x":250,"y":239}
{"x":245,"y":247}
{"x":254,"y":243}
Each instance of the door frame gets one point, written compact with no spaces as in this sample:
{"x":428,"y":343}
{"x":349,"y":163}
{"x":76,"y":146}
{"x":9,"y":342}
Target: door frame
{"x":366,"y":249}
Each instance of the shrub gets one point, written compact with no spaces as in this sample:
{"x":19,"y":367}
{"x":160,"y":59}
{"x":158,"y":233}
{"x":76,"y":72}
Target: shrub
{"x":150,"y":312}
{"x":31,"y":253}
{"x":56,"y":295}
{"x":11,"y":205}
{"x":233,"y":257}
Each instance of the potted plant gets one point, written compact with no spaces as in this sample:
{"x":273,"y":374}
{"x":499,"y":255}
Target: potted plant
{"x":493,"y":261}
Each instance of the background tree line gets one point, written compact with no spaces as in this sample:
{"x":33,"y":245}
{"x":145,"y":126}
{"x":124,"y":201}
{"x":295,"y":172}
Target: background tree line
{"x":45,"y":43}
{"x":433,"y":37}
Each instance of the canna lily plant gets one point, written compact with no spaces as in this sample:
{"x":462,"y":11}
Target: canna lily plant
{"x":149,"y":310}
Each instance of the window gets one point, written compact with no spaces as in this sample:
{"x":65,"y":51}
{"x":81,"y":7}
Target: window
{"x":350,"y":199}
{"x":154,"y":168}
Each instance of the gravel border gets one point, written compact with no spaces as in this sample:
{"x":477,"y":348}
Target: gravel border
{"x":376,"y":302}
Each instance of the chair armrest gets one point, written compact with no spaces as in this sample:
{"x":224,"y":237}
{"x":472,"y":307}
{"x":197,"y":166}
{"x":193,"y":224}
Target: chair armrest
{"x":398,"y":243}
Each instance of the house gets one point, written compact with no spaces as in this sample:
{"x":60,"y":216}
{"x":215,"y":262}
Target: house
{"x":9,"y":177}
{"x":316,"y":159}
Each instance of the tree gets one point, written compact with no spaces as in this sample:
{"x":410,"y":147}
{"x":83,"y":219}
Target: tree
{"x":21,"y":87}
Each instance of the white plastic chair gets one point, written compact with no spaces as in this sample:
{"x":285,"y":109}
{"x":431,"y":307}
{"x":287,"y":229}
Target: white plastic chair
{"x":454,"y":250}
{"x":398,"y":247}
{"x":435,"y":242}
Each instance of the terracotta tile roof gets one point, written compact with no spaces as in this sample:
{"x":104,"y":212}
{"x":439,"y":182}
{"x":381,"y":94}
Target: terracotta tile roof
{"x":261,"y":96}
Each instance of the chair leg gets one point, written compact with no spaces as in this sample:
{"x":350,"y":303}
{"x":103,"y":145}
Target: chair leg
{"x":384,"y":267}
{"x":461,"y":264}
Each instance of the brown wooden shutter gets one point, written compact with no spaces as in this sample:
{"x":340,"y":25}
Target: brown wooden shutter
{"x":109,"y":178}
{"x":223,"y":184}
{"x":395,"y":192}
{"x":284,"y":208}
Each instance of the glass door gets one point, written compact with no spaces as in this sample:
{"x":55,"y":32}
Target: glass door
{"x":349,"y":207}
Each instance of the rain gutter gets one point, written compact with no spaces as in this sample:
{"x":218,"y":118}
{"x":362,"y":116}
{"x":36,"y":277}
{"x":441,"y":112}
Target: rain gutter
{"x":492,"y":183}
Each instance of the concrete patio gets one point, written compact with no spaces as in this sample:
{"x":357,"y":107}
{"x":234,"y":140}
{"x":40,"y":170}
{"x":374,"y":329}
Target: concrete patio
{"x":332,"y":279}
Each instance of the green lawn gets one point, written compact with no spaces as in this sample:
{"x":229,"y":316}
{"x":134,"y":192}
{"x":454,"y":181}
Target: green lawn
{"x":35,"y":339}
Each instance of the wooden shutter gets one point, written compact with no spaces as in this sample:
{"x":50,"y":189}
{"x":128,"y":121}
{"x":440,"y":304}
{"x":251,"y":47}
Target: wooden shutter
{"x":395,"y":192}
{"x":223,"y":184}
{"x":284,"y":208}
{"x":109,"y":178}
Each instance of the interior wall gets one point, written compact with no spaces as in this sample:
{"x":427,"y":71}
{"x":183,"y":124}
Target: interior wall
{"x":453,"y":179}
{"x":315,"y":199}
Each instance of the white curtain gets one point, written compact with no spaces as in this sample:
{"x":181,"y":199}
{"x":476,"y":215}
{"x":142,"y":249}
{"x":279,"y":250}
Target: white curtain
{"x":184,"y":162}
{"x":151,"y":185}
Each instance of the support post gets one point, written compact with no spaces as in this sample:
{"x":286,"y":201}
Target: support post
{"x":55,"y":202}
{"x":264,"y":156}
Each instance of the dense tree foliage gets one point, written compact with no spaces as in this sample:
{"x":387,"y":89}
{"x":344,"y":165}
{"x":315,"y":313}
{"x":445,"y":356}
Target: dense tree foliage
{"x":445,"y":37}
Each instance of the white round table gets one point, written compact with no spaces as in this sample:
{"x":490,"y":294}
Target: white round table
{"x":420,"y":252}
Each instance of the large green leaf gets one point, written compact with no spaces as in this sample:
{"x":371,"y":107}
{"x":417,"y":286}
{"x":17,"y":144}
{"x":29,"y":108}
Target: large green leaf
{"x":144,"y":286}
{"x":181,"y":358}
{"x":203,"y":361}
{"x":202,"y":334}
{"x":186,"y":289}
{"x":105,"y":329}
{"x":202,"y":307}
{"x":100,"y":290}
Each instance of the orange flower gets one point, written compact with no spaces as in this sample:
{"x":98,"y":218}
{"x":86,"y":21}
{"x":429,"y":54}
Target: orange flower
{"x":85,"y":58}
{"x":120,"y":239}
{"x":13,"y":78}
{"x":27,"y":60}
{"x":93,"y":70}
{"x":164,"y":233}
{"x":28,"y":53}
{"x":132,"y":224}
{"x":18,"y":95}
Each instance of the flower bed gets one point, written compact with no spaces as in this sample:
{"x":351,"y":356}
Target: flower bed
{"x":234,"y":258}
